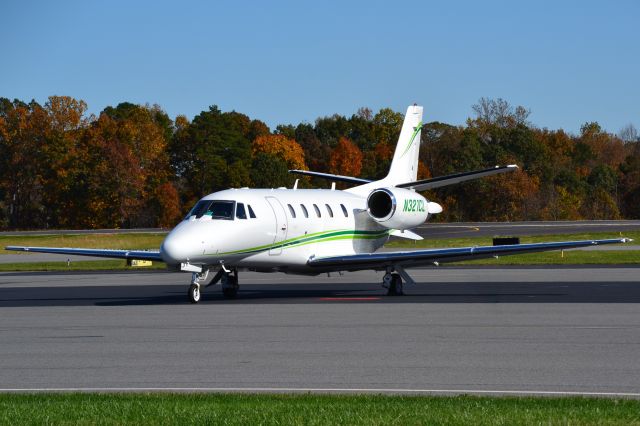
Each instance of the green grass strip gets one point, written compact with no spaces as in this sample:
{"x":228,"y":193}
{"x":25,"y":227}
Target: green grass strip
{"x":150,"y":241}
{"x":107,"y":241}
{"x":307,"y":409}
{"x":429,"y":242}
{"x":571,"y":257}
{"x":84,"y":265}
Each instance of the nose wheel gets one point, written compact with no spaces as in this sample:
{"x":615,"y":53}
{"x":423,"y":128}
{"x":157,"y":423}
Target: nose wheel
{"x":194,"y":293}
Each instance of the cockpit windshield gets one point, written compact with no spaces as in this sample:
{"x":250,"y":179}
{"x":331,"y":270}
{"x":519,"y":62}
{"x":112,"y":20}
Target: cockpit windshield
{"x":216,"y":209}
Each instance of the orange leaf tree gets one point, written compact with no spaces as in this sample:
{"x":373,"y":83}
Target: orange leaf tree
{"x":345,"y":159}
{"x":282,"y":147}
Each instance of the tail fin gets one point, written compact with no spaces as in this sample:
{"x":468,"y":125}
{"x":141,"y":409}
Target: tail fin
{"x":404,"y":166}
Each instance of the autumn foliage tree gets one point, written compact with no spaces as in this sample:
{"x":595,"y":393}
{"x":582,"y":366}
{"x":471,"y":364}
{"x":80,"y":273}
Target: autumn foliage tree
{"x":132,"y":165}
{"x":282,"y":147}
{"x":346,"y":158}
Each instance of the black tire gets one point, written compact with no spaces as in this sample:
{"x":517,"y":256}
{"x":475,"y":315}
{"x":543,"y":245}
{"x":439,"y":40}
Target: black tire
{"x":395,"y":288}
{"x":231,"y":290}
{"x":194,"y":293}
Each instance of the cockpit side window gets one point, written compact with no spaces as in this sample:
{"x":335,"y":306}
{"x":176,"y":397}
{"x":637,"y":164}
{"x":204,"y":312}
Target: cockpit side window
{"x":221,"y":210}
{"x":252,"y":215}
{"x":199,"y":209}
{"x":240,"y":212}
{"x":216,"y":209}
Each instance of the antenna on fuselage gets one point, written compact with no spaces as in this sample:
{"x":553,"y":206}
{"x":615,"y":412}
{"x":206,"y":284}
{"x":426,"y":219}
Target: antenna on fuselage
{"x":295,"y":185}
{"x":333,"y":186}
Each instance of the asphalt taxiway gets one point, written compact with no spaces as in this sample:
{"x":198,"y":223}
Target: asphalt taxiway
{"x":514,"y":329}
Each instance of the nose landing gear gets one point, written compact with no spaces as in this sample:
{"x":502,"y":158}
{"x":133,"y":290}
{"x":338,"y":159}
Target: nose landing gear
{"x":194,"y":288}
{"x":228,"y":279}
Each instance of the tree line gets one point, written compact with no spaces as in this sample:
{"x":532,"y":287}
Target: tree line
{"x":133,"y":166}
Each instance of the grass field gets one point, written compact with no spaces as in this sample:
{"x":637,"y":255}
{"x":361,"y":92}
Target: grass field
{"x":153,"y":241}
{"x":84,"y":265}
{"x":243,"y":409}
{"x":107,"y":241}
{"x":487,"y":241}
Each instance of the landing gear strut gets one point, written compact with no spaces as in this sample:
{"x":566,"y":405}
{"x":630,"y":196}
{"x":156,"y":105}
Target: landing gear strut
{"x":393,"y":283}
{"x":194,"y":288}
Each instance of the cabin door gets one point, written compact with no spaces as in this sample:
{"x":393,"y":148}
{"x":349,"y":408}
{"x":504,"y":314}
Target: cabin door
{"x":281,"y":225}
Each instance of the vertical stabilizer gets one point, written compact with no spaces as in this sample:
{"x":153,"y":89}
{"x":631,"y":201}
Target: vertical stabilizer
{"x":404,"y":166}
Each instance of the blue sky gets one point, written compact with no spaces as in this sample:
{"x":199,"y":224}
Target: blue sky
{"x":288,"y":62}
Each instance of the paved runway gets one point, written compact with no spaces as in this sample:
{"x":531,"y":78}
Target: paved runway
{"x":463,"y":329}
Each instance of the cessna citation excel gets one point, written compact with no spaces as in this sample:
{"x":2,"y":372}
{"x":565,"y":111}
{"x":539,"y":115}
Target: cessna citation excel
{"x":313,"y":231}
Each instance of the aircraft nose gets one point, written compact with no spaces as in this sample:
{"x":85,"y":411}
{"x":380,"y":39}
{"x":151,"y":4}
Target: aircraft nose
{"x":172,"y":250}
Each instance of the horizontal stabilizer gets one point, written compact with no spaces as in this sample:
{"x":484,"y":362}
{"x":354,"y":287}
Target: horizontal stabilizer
{"x":329,"y":176}
{"x":406,"y":234}
{"x":423,"y":185}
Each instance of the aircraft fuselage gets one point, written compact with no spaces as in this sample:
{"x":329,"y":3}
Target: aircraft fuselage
{"x":273,"y":229}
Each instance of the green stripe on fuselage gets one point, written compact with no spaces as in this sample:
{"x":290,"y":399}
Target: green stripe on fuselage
{"x":315,"y":238}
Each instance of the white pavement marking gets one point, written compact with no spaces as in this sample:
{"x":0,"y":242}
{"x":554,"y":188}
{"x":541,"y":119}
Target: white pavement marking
{"x":327,"y":390}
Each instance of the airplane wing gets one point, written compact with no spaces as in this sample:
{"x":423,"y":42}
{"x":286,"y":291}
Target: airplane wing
{"x":408,"y":259}
{"x":329,"y":176}
{"x":423,"y":185}
{"x":113,"y":254}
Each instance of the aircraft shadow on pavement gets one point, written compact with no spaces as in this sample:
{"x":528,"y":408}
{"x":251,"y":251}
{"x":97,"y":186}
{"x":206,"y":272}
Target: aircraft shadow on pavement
{"x":440,"y":292}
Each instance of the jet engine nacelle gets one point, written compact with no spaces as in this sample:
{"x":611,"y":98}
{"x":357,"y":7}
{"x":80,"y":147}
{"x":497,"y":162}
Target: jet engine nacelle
{"x":398,"y":208}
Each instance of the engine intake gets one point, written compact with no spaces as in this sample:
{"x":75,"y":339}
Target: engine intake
{"x":397,"y":208}
{"x":382,"y":204}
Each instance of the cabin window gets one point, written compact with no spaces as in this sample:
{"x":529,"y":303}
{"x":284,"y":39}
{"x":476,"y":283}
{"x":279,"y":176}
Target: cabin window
{"x":344,"y":210}
{"x":329,"y":210}
{"x":240,"y":212}
{"x":252,"y":215}
{"x":292,"y":211}
{"x":317,"y":210}
{"x":304,"y":210}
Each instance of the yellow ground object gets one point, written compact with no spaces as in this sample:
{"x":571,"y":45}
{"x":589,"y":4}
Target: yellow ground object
{"x":136,"y":262}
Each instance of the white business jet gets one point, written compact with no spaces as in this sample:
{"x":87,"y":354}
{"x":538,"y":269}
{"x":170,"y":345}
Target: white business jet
{"x":313,"y":231}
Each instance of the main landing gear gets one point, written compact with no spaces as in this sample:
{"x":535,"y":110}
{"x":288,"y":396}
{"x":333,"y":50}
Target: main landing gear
{"x":230,"y":285}
{"x":393,"y":280}
{"x":228,"y":279}
{"x":393,"y":283}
